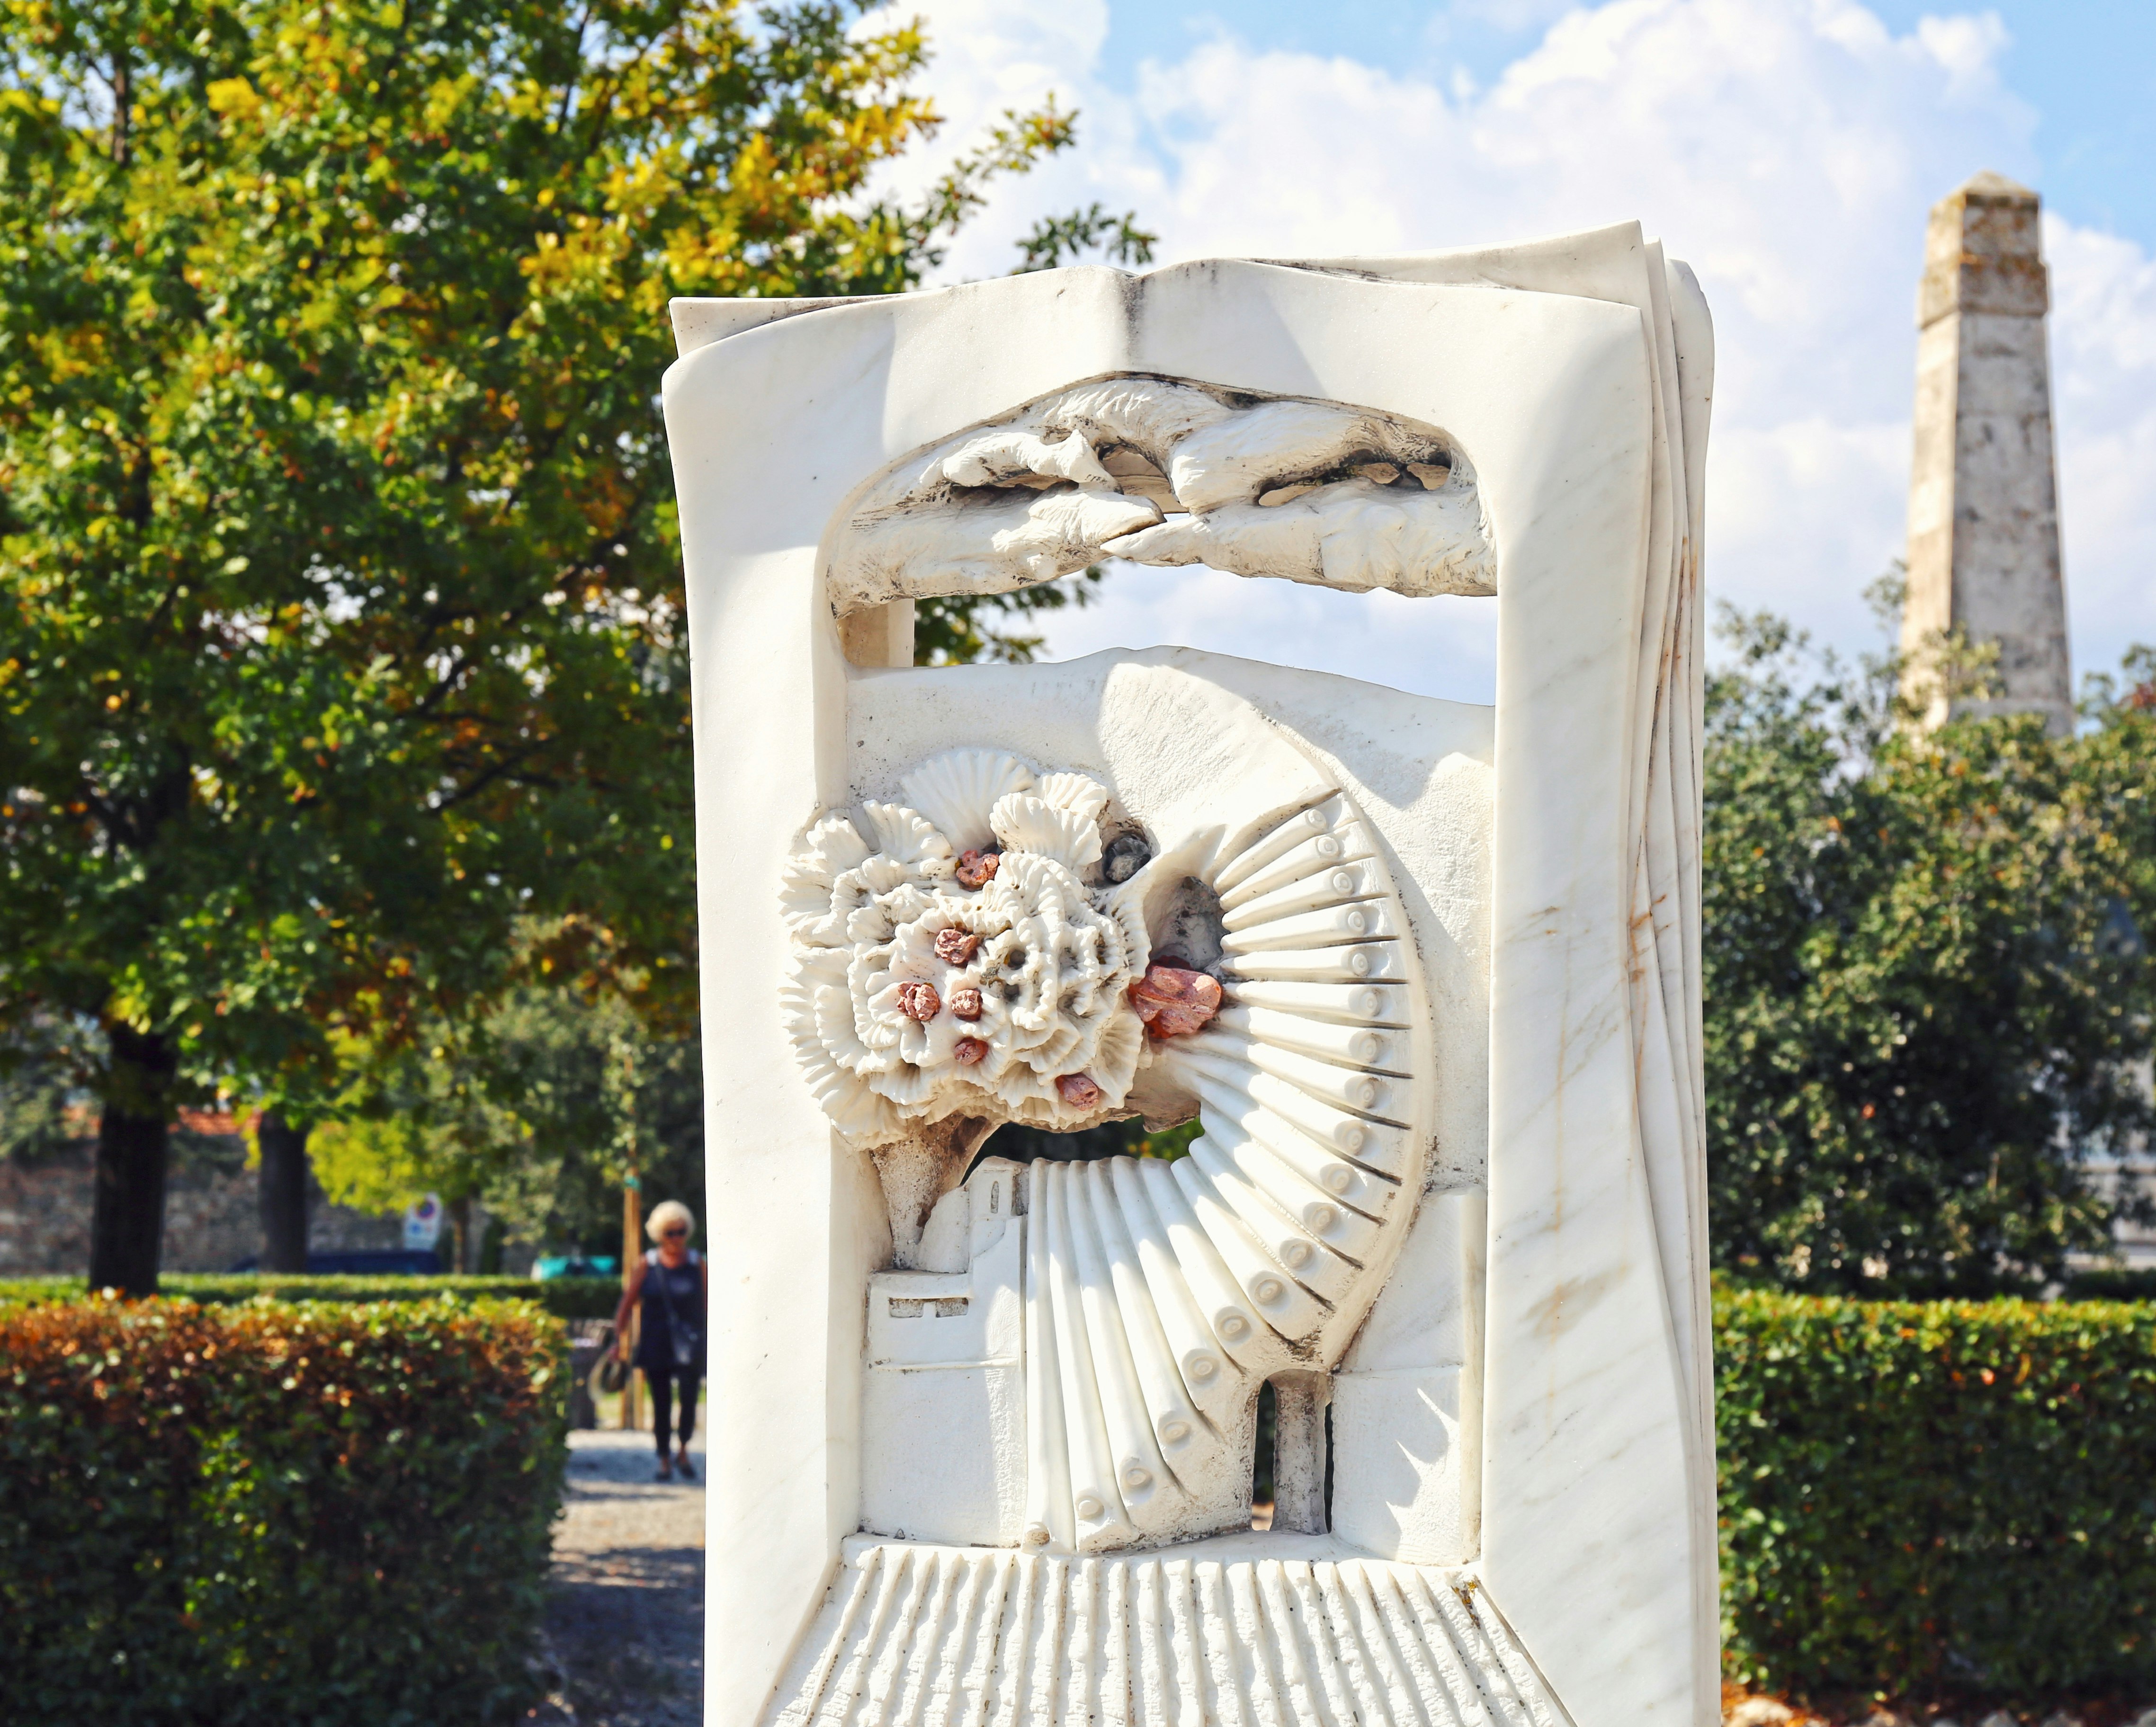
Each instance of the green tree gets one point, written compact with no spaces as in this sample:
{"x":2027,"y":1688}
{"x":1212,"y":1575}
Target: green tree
{"x":341,"y":625}
{"x":539,"y":1109}
{"x":969,"y":629}
{"x":1926,"y":997}
{"x":36,"y":1096}
{"x":419,"y":1125}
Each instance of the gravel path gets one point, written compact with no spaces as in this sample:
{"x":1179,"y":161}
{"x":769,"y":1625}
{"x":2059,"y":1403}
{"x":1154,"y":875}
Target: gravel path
{"x":626,"y":1626}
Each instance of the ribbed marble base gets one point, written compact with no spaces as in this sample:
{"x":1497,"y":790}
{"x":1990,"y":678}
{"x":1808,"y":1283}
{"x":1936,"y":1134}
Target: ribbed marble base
{"x":1255,"y":1631}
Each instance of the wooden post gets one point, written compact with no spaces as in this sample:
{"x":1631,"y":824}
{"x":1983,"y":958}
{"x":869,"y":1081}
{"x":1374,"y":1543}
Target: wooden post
{"x":632,"y":1229}
{"x":632,"y":1215}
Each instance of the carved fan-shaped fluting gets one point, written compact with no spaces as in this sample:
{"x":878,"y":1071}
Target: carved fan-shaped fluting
{"x":958,"y":789}
{"x":1072,"y":837}
{"x":1079,"y":793}
{"x":1160,"y":1295}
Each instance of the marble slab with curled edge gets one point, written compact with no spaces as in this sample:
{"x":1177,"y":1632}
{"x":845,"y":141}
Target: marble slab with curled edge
{"x":982,"y":1444}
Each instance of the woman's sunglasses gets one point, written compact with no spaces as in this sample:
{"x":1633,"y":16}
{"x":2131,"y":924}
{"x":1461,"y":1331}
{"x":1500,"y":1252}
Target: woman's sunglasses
{"x":668,"y":1234}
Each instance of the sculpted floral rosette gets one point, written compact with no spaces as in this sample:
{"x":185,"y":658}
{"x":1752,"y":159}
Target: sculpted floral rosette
{"x":959,"y":962}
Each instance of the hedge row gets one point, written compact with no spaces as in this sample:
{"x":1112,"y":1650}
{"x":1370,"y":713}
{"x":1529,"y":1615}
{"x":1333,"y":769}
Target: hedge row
{"x":1926,"y":1499}
{"x":573,"y":1298}
{"x":332,"y":1514}
{"x":339,"y":1512}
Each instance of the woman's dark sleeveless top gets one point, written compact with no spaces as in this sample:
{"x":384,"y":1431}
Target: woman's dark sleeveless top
{"x":684,"y":1284}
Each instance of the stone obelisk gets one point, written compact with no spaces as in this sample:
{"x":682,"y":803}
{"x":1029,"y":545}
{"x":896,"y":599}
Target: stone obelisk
{"x":1983,"y":511}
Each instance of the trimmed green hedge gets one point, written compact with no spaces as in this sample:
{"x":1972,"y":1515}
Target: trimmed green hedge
{"x":339,"y":1512}
{"x":333,"y":1514}
{"x":1922,"y":1498}
{"x":577,"y":1297}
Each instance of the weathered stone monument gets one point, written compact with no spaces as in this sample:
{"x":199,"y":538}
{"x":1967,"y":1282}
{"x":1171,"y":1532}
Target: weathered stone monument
{"x":1426,"y":973}
{"x":1984,"y":508}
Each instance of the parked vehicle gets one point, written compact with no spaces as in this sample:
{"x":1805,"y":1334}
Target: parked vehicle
{"x":556,"y":1265}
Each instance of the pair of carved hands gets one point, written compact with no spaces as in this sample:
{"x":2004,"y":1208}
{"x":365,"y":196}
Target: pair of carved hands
{"x":1158,"y":471}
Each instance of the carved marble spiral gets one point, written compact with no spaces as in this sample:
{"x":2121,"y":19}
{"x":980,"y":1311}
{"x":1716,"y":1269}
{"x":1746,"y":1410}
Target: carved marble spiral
{"x":1159,"y":1294}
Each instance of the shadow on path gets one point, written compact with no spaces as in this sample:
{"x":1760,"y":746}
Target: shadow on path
{"x":626,"y":1622}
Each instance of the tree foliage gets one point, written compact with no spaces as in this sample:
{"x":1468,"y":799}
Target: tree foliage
{"x":970,"y":629}
{"x":542,"y":1109}
{"x":1927,"y":996}
{"x":340,"y":623}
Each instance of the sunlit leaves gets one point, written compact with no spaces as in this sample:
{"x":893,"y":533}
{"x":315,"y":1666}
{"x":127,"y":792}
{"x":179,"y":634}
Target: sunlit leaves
{"x":340,"y":620}
{"x":1927,"y":994}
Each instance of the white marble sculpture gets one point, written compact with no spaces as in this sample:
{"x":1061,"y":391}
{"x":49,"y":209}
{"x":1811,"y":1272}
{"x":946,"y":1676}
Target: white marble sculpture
{"x":1425,"y":974}
{"x":1314,"y":491}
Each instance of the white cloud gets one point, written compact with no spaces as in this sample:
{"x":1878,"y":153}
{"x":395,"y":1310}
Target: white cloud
{"x":1447,"y":649}
{"x":1789,"y":149}
{"x":2103,"y":387}
{"x":1805,"y":514}
{"x":1514,"y":14}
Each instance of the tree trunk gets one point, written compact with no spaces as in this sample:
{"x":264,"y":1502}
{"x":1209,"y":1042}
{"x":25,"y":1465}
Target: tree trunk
{"x":282,"y":1194}
{"x":459,"y":1211}
{"x":134,"y":1147}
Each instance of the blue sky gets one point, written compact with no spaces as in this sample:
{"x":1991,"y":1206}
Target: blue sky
{"x":1788,"y":149}
{"x":2088,"y":69}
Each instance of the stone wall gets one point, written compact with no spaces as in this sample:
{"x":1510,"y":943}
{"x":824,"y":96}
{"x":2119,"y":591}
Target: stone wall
{"x":211,"y":1215}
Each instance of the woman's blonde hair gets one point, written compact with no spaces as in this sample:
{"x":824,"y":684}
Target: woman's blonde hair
{"x":668,"y":1211}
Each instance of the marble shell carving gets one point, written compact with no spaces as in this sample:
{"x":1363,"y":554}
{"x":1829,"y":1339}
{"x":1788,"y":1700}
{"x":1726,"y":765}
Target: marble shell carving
{"x":1159,"y":471}
{"x":1048,"y":960}
{"x":1159,"y":1294}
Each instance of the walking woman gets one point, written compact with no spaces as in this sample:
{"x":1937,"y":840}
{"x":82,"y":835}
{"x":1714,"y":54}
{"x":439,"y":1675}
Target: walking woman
{"x":673,"y":1286}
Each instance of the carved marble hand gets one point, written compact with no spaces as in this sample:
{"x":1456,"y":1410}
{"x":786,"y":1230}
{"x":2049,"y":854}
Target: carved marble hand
{"x":1161,"y":472}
